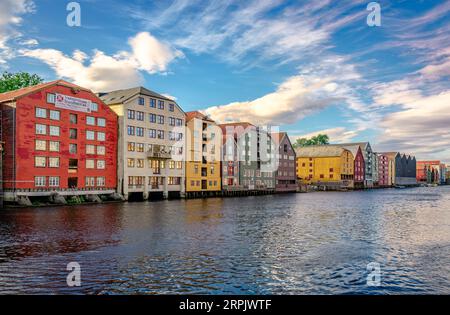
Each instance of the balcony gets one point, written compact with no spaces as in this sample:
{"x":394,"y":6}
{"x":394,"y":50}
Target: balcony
{"x":159,"y":152}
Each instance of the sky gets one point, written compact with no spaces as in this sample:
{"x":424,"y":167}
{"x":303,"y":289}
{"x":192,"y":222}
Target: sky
{"x":308,"y":67}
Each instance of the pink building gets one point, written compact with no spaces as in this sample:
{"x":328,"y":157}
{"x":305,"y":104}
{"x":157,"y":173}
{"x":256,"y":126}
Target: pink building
{"x":383,"y":170}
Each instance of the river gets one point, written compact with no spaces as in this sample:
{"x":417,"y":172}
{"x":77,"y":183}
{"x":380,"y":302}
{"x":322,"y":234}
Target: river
{"x":315,"y":243}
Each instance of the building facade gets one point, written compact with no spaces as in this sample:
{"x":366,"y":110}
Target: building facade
{"x":383,"y":170}
{"x":368,"y":155}
{"x":326,"y":165}
{"x":203,"y":155}
{"x":59,"y":137}
{"x":255,"y":155}
{"x":285,"y":176}
{"x":431,"y":172}
{"x":151,"y":143}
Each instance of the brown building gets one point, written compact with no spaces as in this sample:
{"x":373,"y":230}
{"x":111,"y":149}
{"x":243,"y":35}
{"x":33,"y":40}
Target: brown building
{"x":285,"y":177}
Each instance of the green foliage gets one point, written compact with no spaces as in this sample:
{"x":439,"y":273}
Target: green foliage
{"x":14,"y":81}
{"x":320,"y":139}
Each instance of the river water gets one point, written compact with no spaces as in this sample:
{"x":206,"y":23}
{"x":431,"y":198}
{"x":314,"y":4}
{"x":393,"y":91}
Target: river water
{"x":315,"y":243}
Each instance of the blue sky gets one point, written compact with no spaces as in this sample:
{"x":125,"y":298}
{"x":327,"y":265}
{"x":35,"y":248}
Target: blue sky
{"x":307,"y":66}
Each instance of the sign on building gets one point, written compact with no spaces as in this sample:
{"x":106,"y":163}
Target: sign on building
{"x":73,"y":103}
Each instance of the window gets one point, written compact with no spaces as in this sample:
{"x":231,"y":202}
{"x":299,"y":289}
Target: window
{"x":131,"y":146}
{"x":40,"y":161}
{"x":101,"y":164}
{"x":131,"y":114}
{"x":130,"y":130}
{"x":90,"y":181}
{"x":72,"y":148}
{"x":171,"y":135}
{"x":40,"y":145}
{"x":101,"y":150}
{"x":53,"y":162}
{"x":53,"y":146}
{"x":55,"y":115}
{"x":101,"y":122}
{"x":152,"y":103}
{"x":90,"y":120}
{"x":73,"y":133}
{"x":101,"y":181}
{"x":41,"y":112}
{"x":160,"y":134}
{"x":39,"y":181}
{"x":50,"y":98}
{"x":73,"y":118}
{"x":90,"y":135}
{"x":90,"y":164}
{"x":90,"y":149}
{"x":73,"y":164}
{"x":161,"y":119}
{"x":140,"y":116}
{"x":139,"y":147}
{"x":171,"y":164}
{"x":179,"y":165}
{"x":140,"y":163}
{"x":179,"y":122}
{"x":130,"y":162}
{"x":141,"y":101}
{"x":331,"y":170}
{"x":152,"y":118}
{"x":180,"y":136}
{"x":171,"y":107}
{"x":54,"y":131}
{"x":139,"y":131}
{"x":94,"y":107}
{"x":171,"y":121}
{"x":152,"y":133}
{"x":161,"y":104}
{"x":101,"y":136}
{"x":41,"y":129}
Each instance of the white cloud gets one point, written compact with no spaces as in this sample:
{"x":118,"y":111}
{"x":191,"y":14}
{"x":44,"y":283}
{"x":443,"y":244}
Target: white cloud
{"x":336,"y":135}
{"x":10,"y":18}
{"x":105,"y":72}
{"x":422,"y":128}
{"x":295,"y":98}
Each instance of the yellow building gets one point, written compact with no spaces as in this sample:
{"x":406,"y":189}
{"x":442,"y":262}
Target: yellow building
{"x":203,"y":145}
{"x":325,"y":165}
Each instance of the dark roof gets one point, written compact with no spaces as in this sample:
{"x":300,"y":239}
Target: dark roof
{"x":121,"y":96}
{"x":13,"y":95}
{"x":320,"y":151}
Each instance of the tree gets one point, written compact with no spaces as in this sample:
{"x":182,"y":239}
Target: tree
{"x":14,"y":81}
{"x":320,"y":139}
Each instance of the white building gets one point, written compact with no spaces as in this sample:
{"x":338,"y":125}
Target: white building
{"x":151,"y":143}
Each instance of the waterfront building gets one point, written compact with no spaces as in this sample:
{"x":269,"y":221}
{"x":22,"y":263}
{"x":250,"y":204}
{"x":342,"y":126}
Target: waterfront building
{"x":203,"y":155}
{"x":285,"y":176}
{"x":327,"y":165}
{"x":404,"y":169}
{"x":60,"y":139}
{"x":230,"y":163}
{"x":368,"y":155}
{"x":151,"y":143}
{"x":375,"y":171}
{"x":359,"y":164}
{"x":383,"y":170}
{"x":443,"y":173}
{"x":430,"y":172}
{"x":255,"y":155}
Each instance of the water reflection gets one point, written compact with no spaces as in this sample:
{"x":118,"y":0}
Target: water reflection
{"x":297,"y":243}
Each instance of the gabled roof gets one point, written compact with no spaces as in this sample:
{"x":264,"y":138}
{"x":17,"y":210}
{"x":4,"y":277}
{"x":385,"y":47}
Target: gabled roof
{"x":14,"y":95}
{"x":320,"y":151}
{"x":352,"y":147}
{"x":198,"y":115}
{"x":121,"y":96}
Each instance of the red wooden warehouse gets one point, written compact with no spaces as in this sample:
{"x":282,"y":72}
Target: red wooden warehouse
{"x":57,"y":137}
